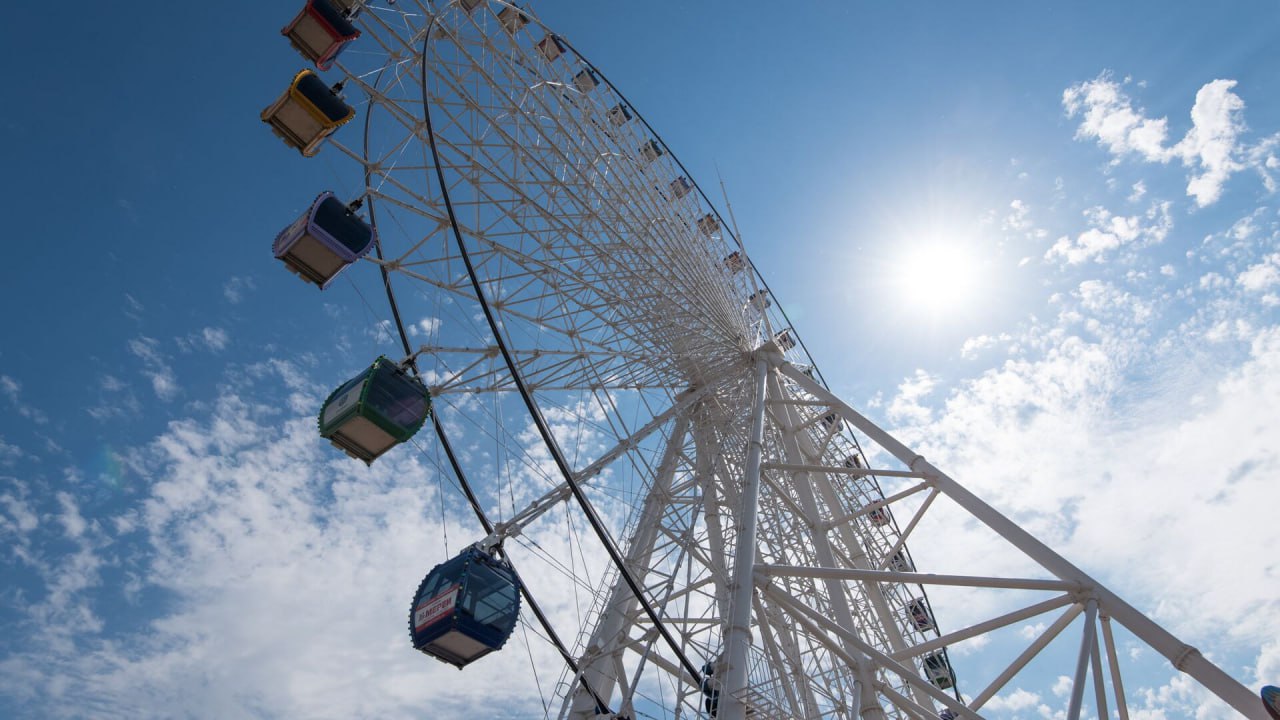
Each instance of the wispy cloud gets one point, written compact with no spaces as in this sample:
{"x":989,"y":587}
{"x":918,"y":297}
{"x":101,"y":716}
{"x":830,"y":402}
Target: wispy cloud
{"x":156,"y":367}
{"x":11,"y":389}
{"x":235,"y":289}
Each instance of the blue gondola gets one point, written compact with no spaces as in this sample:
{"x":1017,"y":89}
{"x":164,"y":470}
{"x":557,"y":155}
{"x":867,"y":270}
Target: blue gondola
{"x":465,"y":608}
{"x":1271,"y":700}
{"x":325,"y":240}
{"x":375,"y":411}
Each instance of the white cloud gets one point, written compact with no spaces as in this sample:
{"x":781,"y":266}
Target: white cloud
{"x":72,"y":522}
{"x":1062,"y":686}
{"x":975,"y":345}
{"x":1014,"y":701}
{"x":12,"y":391}
{"x":1212,"y":149}
{"x":1139,"y":191}
{"x":156,"y":367}
{"x":1108,"y":115}
{"x":1017,"y":219}
{"x":9,"y":454}
{"x":906,"y":405}
{"x":215,"y":338}
{"x":426,"y":326}
{"x":1260,"y":276}
{"x":1109,"y":231}
{"x":235,"y":288}
{"x":1211,"y":144}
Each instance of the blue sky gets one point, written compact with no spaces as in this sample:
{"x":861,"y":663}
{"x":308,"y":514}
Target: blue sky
{"x":1103,"y":175}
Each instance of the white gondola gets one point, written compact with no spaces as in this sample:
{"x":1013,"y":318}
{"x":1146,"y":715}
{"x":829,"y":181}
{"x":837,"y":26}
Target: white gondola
{"x":938,"y":670}
{"x":619,"y":114}
{"x":734,"y":262}
{"x":760,"y":300}
{"x":708,"y":224}
{"x":651,"y":151}
{"x":512,"y":19}
{"x":900,"y":563}
{"x":550,"y":48}
{"x":680,"y":187}
{"x":585,"y":81}
{"x":879,"y":516}
{"x":784,"y":340}
{"x":853,"y":461}
{"x":920,"y":616}
{"x":832,"y":421}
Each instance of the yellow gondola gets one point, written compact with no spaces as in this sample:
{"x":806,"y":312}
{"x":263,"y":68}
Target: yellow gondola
{"x":307,"y":113}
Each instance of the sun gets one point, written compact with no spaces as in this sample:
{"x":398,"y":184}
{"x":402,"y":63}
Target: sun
{"x":939,"y":278}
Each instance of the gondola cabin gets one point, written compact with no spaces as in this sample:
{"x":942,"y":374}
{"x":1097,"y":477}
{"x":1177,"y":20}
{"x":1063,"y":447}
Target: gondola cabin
{"x":681,"y":187}
{"x":879,"y":516}
{"x":551,"y":48}
{"x":585,"y":81}
{"x":375,"y":411}
{"x":465,"y":608}
{"x":853,"y":461}
{"x":734,"y":263}
{"x":760,"y":300}
{"x":784,"y":340}
{"x":307,"y":113}
{"x":651,"y":151}
{"x":1271,"y":700}
{"x":469,"y":6}
{"x":512,"y":19}
{"x":832,"y":421}
{"x":320,"y":32}
{"x":324,"y":241}
{"x":708,"y":224}
{"x":920,"y":616}
{"x":900,"y":563}
{"x":619,"y":114}
{"x":938,"y":671}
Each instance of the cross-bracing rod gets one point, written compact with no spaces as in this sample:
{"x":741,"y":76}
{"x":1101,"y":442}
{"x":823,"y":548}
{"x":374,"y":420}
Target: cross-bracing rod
{"x":1182,"y":656}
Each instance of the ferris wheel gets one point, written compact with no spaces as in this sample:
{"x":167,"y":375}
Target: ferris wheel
{"x":633,"y":421}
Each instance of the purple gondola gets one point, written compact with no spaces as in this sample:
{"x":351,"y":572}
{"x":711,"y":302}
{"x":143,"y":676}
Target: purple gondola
{"x":325,"y":240}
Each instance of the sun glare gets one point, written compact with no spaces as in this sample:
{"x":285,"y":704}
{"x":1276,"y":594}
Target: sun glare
{"x":939,"y":278}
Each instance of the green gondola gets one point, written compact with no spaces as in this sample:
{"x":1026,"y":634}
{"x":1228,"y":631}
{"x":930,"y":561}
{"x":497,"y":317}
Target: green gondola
{"x":375,"y":411}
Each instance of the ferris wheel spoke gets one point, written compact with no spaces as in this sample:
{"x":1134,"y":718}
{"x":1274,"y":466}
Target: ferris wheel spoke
{"x":549,"y":145}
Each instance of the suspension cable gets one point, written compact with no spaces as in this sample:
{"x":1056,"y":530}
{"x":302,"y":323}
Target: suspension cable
{"x":602,"y":706}
{"x":534,"y":413}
